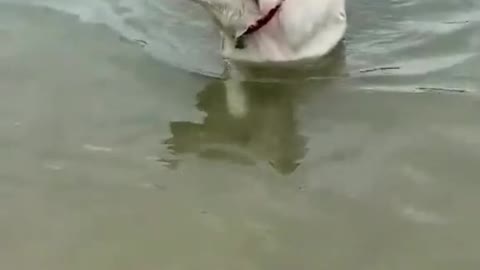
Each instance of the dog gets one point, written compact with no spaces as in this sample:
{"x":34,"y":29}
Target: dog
{"x":250,"y":122}
{"x":274,"y":33}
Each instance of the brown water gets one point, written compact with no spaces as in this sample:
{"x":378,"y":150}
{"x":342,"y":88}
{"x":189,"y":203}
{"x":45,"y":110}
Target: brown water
{"x":111,"y":159}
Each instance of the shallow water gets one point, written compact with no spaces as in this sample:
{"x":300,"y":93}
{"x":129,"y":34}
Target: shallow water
{"x":116,"y":154}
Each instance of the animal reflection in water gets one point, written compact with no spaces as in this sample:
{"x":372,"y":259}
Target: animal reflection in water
{"x":267,"y":133}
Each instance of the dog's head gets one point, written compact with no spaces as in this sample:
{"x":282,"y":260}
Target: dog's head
{"x":231,"y":16}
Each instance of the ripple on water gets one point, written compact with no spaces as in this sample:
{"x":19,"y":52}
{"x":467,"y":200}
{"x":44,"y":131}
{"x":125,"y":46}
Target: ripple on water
{"x":406,"y":34}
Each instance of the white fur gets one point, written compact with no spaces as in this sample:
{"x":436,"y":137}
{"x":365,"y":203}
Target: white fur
{"x":301,"y":30}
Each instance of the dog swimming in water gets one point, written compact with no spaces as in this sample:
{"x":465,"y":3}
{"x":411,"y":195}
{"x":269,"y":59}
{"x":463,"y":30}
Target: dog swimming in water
{"x":273,"y":33}
{"x":277,"y":30}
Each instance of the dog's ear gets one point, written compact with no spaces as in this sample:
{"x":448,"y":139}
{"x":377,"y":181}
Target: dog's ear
{"x":231,"y":16}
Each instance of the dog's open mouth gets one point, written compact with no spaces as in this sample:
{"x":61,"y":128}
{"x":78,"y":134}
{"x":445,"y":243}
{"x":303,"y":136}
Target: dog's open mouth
{"x":259,"y":24}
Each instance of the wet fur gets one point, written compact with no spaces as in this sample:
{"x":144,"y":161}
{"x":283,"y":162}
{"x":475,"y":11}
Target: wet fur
{"x":290,"y":38}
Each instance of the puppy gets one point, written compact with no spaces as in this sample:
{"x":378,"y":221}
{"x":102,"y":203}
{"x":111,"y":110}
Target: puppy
{"x":273,"y":33}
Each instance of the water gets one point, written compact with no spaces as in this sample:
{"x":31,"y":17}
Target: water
{"x":119,"y":155}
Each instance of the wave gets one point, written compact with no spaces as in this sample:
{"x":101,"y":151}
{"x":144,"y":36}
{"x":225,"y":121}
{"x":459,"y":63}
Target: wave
{"x":173,"y":31}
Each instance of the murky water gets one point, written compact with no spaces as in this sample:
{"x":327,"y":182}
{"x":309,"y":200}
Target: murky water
{"x":118,"y":154}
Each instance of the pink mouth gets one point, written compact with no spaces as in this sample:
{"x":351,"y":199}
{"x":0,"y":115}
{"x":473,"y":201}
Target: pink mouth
{"x":258,"y":25}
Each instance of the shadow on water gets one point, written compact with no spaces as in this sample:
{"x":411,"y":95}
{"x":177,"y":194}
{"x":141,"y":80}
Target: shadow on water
{"x":269,"y":132}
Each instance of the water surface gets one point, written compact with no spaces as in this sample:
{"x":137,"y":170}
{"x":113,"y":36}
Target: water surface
{"x":121,"y":154}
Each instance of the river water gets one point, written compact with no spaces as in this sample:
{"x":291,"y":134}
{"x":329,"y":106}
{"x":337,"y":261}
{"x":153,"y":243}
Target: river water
{"x":117,"y":150}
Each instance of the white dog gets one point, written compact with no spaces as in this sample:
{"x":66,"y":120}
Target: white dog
{"x":273,"y":32}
